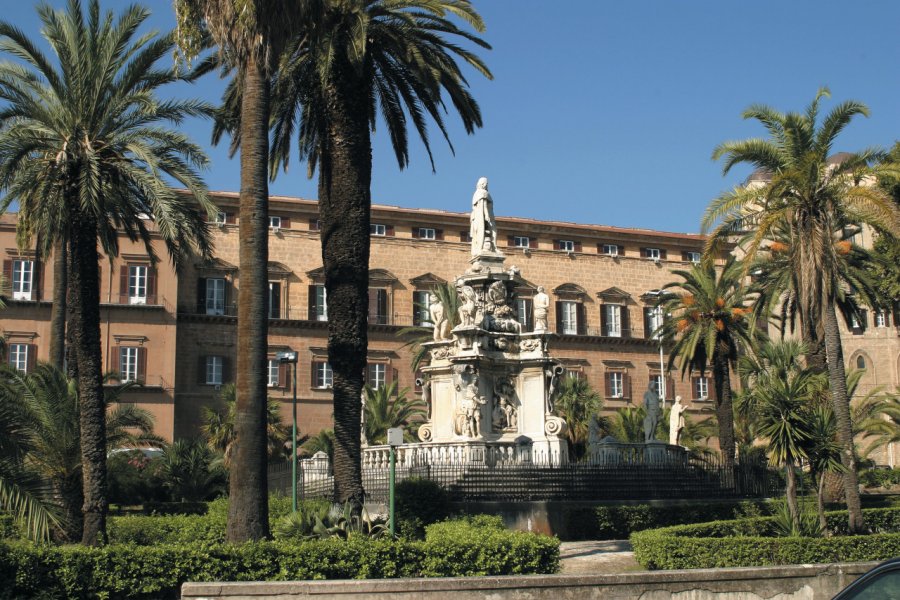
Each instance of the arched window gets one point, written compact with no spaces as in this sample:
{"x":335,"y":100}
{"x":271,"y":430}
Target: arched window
{"x":860,"y":362}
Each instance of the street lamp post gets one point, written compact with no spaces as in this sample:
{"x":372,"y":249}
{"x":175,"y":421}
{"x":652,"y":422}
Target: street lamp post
{"x":291,"y":358}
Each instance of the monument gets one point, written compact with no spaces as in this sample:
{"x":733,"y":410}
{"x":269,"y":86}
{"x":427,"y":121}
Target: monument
{"x":491,"y":386}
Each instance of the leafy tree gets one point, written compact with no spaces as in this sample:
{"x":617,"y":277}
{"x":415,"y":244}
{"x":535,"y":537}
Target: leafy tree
{"x":250,"y":35}
{"x":579,"y":405}
{"x":823,"y":451}
{"x":387,"y":408}
{"x":85,"y":151}
{"x":811,"y":199}
{"x":708,"y":326}
{"x":190,"y":471}
{"x":626,"y":425}
{"x":45,"y":403}
{"x":361,"y":58}
{"x":219,"y":427}
{"x":321,"y":442}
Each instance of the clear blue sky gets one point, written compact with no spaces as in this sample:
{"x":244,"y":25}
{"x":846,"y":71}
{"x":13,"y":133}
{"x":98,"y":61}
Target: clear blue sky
{"x":607,"y":112}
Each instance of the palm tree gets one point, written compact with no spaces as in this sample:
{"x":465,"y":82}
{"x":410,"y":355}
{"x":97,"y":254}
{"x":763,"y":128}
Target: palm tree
{"x":823,"y":452}
{"x":250,"y":35}
{"x":812,"y":199}
{"x":191,"y":472}
{"x":46,"y":404}
{"x":387,"y":408}
{"x":579,"y":405}
{"x":780,"y":394}
{"x":85,"y":151}
{"x":218,"y":427}
{"x":362,"y":56}
{"x":626,"y":425}
{"x":708,"y":326}
{"x":321,"y":442}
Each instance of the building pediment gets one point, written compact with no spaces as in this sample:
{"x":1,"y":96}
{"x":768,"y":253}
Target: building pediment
{"x":277,"y":268}
{"x":382,"y":276}
{"x":427,"y":280}
{"x":570,"y":290}
{"x":614,"y":294}
{"x":218,"y":265}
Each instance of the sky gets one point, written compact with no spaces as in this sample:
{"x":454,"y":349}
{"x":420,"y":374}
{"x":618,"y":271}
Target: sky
{"x":607,"y":112}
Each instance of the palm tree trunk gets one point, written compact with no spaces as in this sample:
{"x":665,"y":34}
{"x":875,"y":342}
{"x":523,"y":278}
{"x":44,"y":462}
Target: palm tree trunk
{"x":724,"y":408}
{"x":344,"y":205}
{"x":69,"y":490}
{"x":248,"y":509}
{"x":84,"y":292}
{"x":815,"y":344}
{"x":58,"y":310}
{"x":71,"y":348}
{"x":820,"y":501}
{"x":837,"y":381}
{"x":790,"y":492}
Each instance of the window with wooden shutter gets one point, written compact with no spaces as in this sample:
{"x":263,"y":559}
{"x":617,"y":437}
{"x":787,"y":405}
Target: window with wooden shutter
{"x":378,"y":313}
{"x":577,"y":246}
{"x":32,"y":358}
{"x":390,"y":231}
{"x":524,"y":313}
{"x":285,"y":222}
{"x":438,"y":234}
{"x":274,"y":300}
{"x":314,"y":225}
{"x":114,"y":359}
{"x":626,"y":385}
{"x":626,"y":322}
{"x":201,"y":295}
{"x":580,"y":319}
{"x":465,"y":236}
{"x":318,"y":305}
{"x":284,"y":375}
{"x":607,"y":385}
{"x":151,"y":285}
{"x":230,"y":218}
{"x":7,"y":278}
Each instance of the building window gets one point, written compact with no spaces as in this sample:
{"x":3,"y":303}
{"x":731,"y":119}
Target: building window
{"x":653,"y":320}
{"x":693,"y":257}
{"x":129,"y":359}
{"x":609,"y":249}
{"x":318,"y":303}
{"x":215,"y":296}
{"x":221,"y":218}
{"x":427,"y":233}
{"x":19,"y":357}
{"x":524,"y":313}
{"x":376,"y":375}
{"x":377,"y":229}
{"x":138,"y":283}
{"x":274,"y":222}
{"x":565,"y":245}
{"x":272,"y":372}
{"x":701,"y":388}
{"x":421,"y":314}
{"x":22,"y":278}
{"x":214,"y":370}
{"x":881,"y":319}
{"x":315,"y":225}
{"x":613,"y":320}
{"x":653,"y":253}
{"x":322,"y":376}
{"x":274,"y":300}
{"x":521,"y":242}
{"x":859,"y":322}
{"x":568,"y":317}
{"x":860,"y":363}
{"x":378,"y":306}
{"x":615,"y":384}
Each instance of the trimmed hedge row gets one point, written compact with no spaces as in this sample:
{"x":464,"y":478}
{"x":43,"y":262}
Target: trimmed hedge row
{"x":752,"y":543}
{"x":137,"y":571}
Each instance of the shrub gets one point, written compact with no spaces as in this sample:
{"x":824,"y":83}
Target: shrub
{"x":134,"y":479}
{"x":419,"y":502}
{"x":138,"y":571}
{"x":753,"y":542}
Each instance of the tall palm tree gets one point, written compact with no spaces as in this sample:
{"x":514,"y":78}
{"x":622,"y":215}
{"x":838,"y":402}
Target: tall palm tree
{"x":85,"y":151}
{"x":45,"y":403}
{"x":387,"y":408}
{"x":812,"y":199}
{"x":250,"y":35}
{"x":780,"y":394}
{"x":707,"y":326}
{"x":363,"y":57}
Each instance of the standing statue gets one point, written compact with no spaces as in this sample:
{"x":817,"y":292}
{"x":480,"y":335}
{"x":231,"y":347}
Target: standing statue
{"x":439,"y":318}
{"x":424,"y":382}
{"x":541,"y":306}
{"x":482,"y":230}
{"x":363,"y":438}
{"x":553,"y":374}
{"x":471,"y":406}
{"x":467,"y":306}
{"x":651,"y":419}
{"x":676,"y":421}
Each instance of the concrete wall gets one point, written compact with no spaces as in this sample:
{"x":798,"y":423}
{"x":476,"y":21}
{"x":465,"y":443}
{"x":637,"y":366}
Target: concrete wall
{"x":797,"y":582}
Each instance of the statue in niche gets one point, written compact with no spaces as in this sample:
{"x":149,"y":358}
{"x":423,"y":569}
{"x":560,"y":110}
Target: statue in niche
{"x":501,"y":315}
{"x":505,"y":413}
{"x":651,"y":419}
{"x":541,"y":306}
{"x":467,"y":307}
{"x":439,"y":318}
{"x":676,"y":421}
{"x":482,"y":229}
{"x":424,"y":382}
{"x":553,"y":375}
{"x":467,"y":420}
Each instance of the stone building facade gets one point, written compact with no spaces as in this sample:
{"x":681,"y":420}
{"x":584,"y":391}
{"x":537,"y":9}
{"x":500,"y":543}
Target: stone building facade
{"x":177,"y":332}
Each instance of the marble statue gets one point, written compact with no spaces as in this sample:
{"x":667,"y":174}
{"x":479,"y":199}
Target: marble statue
{"x":483,"y":229}
{"x":676,"y":421}
{"x":651,"y":419}
{"x":512,"y":416}
{"x":553,"y":375}
{"x":439,"y":318}
{"x":500,"y":315}
{"x":471,"y":407}
{"x":541,"y":306}
{"x":467,"y":306}
{"x":363,"y":439}
{"x":425,"y":383}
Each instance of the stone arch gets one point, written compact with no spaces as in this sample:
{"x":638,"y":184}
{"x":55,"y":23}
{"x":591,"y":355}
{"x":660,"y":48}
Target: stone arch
{"x":862,"y":360}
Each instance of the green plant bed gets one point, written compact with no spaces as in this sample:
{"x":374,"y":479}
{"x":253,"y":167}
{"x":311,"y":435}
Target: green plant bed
{"x":138,"y":571}
{"x":752,"y":542}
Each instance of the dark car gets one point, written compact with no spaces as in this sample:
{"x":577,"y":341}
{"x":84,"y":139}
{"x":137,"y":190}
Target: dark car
{"x":882,"y":583}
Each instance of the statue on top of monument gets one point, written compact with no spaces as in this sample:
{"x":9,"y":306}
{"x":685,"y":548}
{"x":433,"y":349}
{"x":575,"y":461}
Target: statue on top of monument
{"x":483,"y":230}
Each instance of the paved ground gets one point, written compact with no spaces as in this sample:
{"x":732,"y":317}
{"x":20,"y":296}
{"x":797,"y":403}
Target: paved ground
{"x":589,"y":558}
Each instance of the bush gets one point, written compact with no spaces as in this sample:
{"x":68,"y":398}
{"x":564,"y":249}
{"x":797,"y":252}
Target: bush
{"x":753,"y":542}
{"x":138,"y":571}
{"x":419,"y":502}
{"x":883,"y":478}
{"x":134,"y":479}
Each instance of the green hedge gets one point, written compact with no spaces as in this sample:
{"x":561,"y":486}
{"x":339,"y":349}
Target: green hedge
{"x":752,"y":543}
{"x":138,"y":571}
